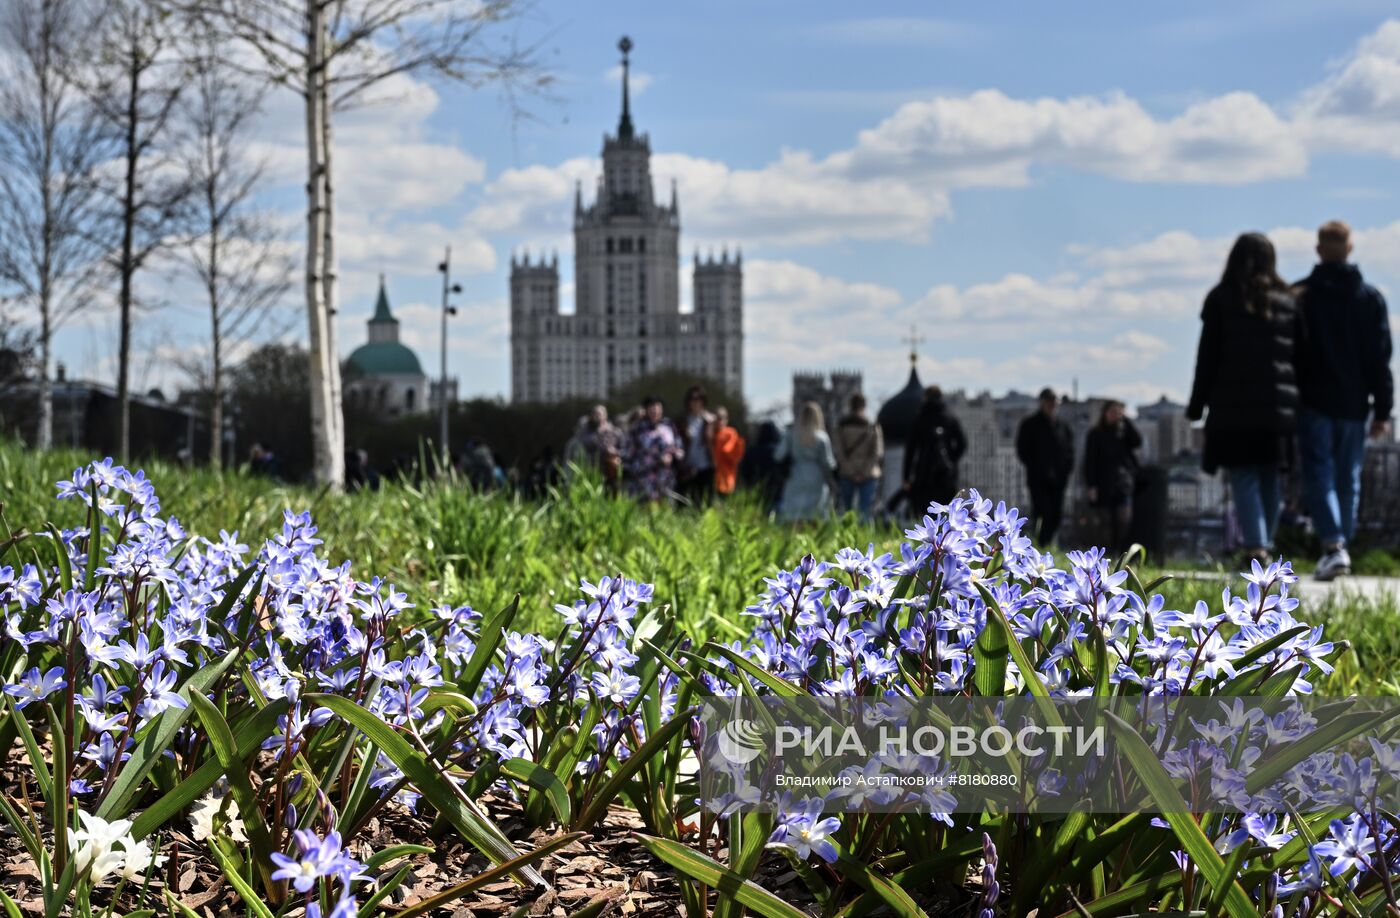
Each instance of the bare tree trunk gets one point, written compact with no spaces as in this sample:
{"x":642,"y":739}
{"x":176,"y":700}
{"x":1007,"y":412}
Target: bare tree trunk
{"x":216,"y":368}
{"x":330,"y":277}
{"x":328,"y":463}
{"x":43,"y":437}
{"x":127,"y":265}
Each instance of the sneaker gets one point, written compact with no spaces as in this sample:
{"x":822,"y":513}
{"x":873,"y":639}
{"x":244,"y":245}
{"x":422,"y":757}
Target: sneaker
{"x":1336,"y":563}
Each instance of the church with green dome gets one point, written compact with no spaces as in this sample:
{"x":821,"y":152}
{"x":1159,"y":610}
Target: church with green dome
{"x":383,"y":375}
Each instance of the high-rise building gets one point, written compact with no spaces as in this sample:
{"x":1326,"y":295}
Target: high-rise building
{"x":627,"y":320}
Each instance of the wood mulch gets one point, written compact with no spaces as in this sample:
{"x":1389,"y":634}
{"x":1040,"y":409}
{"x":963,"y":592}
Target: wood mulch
{"x":606,"y":873}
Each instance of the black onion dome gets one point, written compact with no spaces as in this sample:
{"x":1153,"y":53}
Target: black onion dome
{"x":897,"y":415}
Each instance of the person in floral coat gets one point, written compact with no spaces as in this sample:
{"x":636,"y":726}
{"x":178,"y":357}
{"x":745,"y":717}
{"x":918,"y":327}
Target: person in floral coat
{"x":652,"y":451}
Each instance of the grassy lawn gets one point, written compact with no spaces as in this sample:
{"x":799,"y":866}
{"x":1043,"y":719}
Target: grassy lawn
{"x":442,"y":543}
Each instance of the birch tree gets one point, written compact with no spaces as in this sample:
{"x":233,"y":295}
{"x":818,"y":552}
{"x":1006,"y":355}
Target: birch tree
{"x":136,"y":81}
{"x":238,"y":259}
{"x":333,"y":53}
{"x":51,"y":145}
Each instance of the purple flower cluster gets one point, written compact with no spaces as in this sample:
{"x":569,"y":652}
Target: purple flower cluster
{"x":846,"y":628}
{"x":153,"y":609}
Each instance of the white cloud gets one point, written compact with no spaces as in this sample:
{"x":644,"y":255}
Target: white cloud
{"x":1357,"y":107}
{"x":988,"y":138}
{"x":1123,"y":321}
{"x":896,"y":179}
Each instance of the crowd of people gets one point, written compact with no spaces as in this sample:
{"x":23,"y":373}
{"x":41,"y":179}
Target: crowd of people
{"x":1289,"y":378}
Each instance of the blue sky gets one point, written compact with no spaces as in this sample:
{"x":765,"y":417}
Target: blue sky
{"x":1048,"y":190}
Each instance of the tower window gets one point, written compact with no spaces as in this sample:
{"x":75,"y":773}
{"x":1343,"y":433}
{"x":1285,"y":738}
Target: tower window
{"x":642,"y":244}
{"x":625,"y":245}
{"x":610,"y":245}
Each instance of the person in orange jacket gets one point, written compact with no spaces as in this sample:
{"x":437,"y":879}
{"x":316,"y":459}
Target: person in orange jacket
{"x":728,"y":451}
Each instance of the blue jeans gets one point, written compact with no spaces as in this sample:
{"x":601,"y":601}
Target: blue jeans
{"x":1332,"y":451}
{"x":857,"y":494}
{"x":1255,"y":489}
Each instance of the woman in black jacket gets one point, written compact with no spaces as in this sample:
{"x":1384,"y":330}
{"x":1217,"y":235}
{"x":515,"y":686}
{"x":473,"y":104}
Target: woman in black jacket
{"x":1245,"y":376}
{"x":936,"y":445}
{"x":1111,"y":471}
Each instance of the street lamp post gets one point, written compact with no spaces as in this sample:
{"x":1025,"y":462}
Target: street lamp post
{"x":448,"y":309}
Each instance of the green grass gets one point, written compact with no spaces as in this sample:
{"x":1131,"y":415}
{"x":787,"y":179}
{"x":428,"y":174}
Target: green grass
{"x":442,"y":543}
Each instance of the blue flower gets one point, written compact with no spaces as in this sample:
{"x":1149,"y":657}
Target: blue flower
{"x":616,"y":686}
{"x":1350,"y":845}
{"x":317,"y":857}
{"x":35,"y":686}
{"x":806,"y":832}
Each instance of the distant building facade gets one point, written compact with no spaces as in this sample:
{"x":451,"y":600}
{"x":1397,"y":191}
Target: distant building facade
{"x":383,"y":376}
{"x":627,"y":320}
{"x":831,"y":391}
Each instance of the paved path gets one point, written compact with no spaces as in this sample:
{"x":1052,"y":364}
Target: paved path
{"x":1370,"y":589}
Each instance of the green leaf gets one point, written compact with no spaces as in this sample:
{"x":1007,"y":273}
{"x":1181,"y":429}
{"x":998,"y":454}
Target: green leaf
{"x":65,"y":563}
{"x":1114,"y":903}
{"x":892,"y":895}
{"x":42,"y":776}
{"x":157,"y":739}
{"x":778,"y":685}
{"x":250,"y":735}
{"x":179,"y":906}
{"x":385,"y":890}
{"x":749,"y":834}
{"x":989,"y":653}
{"x":385,"y":855}
{"x":707,"y":870}
{"x":11,"y":909}
{"x":954,"y":857}
{"x":487,"y":877}
{"x":1176,"y":813}
{"x":245,"y":892}
{"x":1041,"y":868}
{"x":492,"y":633}
{"x":541,"y":778}
{"x":440,"y":700}
{"x":225,"y":746}
{"x":445,"y":796}
{"x":658,"y":741}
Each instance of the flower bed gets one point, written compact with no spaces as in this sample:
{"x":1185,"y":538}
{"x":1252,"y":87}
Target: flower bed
{"x":261,"y":716}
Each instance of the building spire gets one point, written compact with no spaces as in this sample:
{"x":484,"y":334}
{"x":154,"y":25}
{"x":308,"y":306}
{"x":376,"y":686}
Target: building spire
{"x":914,"y":340}
{"x":381,"y":304}
{"x":624,"y":126}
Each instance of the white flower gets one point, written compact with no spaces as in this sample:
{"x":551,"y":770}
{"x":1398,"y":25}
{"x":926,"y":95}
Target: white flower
{"x":139,"y":858}
{"x":95,"y":845}
{"x":202,"y":816}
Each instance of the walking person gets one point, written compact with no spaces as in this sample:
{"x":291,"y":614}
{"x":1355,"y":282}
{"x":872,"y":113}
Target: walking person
{"x":760,"y":468}
{"x":697,"y":471}
{"x":652,"y":452}
{"x":1343,"y":377}
{"x":1246,"y":386}
{"x":859,"y":446}
{"x":728,"y":453}
{"x":596,"y":443}
{"x":1045,"y":446}
{"x":1111,"y":471}
{"x":807,"y":490}
{"x":935,"y":447}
